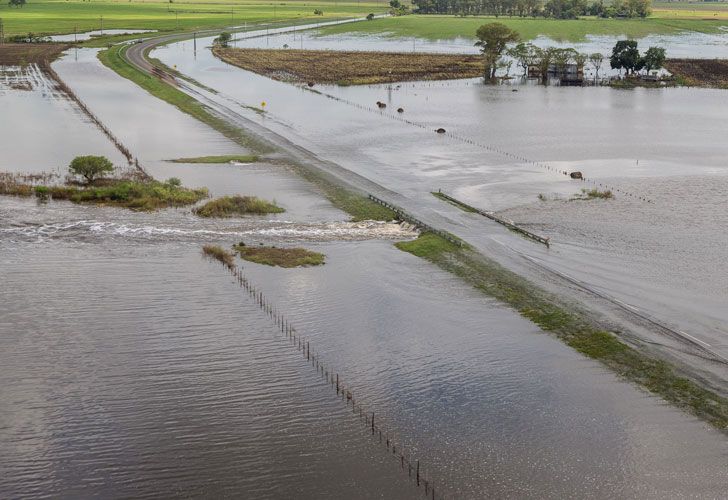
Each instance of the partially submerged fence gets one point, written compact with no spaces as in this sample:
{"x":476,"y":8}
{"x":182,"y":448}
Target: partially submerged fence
{"x":45,"y":65}
{"x":402,"y":215}
{"x":379,"y":432}
{"x":521,"y":158}
{"x":509,"y":224}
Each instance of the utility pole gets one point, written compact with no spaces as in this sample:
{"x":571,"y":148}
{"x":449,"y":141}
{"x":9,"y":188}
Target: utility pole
{"x":102,"y":25}
{"x":75,"y":36}
{"x":176,"y":19}
{"x":2,"y":31}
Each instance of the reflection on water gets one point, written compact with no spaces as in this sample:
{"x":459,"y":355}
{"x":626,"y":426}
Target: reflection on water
{"x":142,"y":369}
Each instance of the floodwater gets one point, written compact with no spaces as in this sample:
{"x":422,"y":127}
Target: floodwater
{"x":628,"y":139}
{"x":133,"y":367}
{"x":138,"y":368}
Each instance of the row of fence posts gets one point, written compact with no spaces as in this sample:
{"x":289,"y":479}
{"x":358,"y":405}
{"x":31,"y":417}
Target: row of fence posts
{"x":509,"y":224}
{"x":472,"y":142}
{"x":422,"y":226}
{"x":416,"y":473}
{"x":96,"y":120}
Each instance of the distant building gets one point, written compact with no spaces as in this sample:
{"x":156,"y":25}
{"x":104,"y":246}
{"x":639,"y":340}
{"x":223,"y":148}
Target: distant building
{"x":572,"y":74}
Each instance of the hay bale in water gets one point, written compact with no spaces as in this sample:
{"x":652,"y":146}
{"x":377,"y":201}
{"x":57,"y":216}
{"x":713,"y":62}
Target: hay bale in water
{"x":400,"y":110}
{"x":576,"y":175}
{"x":440,"y":130}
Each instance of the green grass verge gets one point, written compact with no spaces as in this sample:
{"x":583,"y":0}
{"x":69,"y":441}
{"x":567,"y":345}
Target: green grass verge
{"x":655,"y":375}
{"x":280,"y":257}
{"x":219,"y":254}
{"x":436,"y":27}
{"x":230,"y":206}
{"x":218,"y":159}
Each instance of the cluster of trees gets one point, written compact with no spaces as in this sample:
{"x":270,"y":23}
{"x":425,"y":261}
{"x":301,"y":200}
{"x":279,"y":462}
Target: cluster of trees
{"x":497,"y":40}
{"x":626,"y":56}
{"x":16,"y":3}
{"x":397,"y":8}
{"x":558,"y":9}
{"x":223,"y":40}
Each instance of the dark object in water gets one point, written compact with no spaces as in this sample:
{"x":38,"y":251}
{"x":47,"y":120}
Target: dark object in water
{"x":440,"y":130}
{"x":310,"y":84}
{"x":400,"y":110}
{"x":381,"y":105}
{"x":514,"y":90}
{"x":576,"y":175}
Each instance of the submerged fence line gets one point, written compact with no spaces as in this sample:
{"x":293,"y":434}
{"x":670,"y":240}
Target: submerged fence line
{"x":46,"y":67}
{"x":379,"y":432}
{"x":473,"y":142}
{"x":509,"y":224}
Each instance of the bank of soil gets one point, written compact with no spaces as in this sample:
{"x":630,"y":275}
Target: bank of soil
{"x":20,"y":54}
{"x":699,"y":72}
{"x":351,"y":68}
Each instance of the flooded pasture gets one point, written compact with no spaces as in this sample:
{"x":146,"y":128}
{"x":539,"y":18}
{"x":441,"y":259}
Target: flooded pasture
{"x":137,"y":368}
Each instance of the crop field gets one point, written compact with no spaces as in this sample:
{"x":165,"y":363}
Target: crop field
{"x":61,"y":16}
{"x":437,"y":27}
{"x":352,"y":68}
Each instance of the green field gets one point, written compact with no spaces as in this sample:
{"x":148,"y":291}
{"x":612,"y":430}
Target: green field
{"x":61,"y":16}
{"x":436,"y":27}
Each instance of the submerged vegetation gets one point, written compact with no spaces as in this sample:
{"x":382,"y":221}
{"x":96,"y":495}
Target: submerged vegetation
{"x":131,"y":193}
{"x":218,"y":159}
{"x":281,"y":257}
{"x":593,"y":194}
{"x":219,"y":254}
{"x":230,"y":206}
{"x":351,"y":68}
{"x":571,"y":327}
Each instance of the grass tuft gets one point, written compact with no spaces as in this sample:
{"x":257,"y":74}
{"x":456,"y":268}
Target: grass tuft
{"x":229,"y":206}
{"x":281,"y":257}
{"x":218,"y":159}
{"x":220,"y":254}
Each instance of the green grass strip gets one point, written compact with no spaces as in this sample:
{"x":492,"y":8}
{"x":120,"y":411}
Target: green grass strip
{"x":218,"y":159}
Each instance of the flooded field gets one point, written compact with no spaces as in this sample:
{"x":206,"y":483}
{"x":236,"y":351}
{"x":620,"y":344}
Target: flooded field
{"x":138,"y":336}
{"x":620,"y":138}
{"x":134,"y":367}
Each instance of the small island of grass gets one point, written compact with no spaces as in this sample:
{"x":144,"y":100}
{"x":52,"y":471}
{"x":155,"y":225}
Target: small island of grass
{"x":218,"y":159}
{"x":230,"y":206}
{"x":281,"y":257}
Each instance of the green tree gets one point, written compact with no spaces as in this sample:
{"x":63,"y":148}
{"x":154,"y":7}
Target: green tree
{"x":626,"y":56}
{"x":370,"y":16}
{"x":543,"y":59}
{"x":524,"y":54}
{"x":654,"y":58}
{"x":493,"y":38}
{"x":224,"y":39}
{"x":90,"y":167}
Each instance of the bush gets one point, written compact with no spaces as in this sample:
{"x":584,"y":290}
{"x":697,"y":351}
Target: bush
{"x":90,"y":167}
{"x":228,"y":206}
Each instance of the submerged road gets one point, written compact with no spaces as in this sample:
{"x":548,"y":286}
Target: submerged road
{"x":703,"y":359}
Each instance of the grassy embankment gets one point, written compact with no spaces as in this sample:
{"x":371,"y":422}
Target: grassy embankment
{"x":280,"y":257}
{"x":355,"y":204}
{"x":437,"y":27}
{"x":218,"y":159}
{"x":654,"y":375}
{"x":351,"y":68}
{"x":230,"y":206}
{"x":65,"y":16}
{"x":134,"y":194}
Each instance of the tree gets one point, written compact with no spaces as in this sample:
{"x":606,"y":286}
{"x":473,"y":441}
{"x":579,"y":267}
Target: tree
{"x":370,"y":16}
{"x":16,"y":3}
{"x":626,"y":56}
{"x":596,"y":59}
{"x":90,"y":167}
{"x":654,"y":58}
{"x":542,"y":60}
{"x":223,"y":40}
{"x":524,"y":54}
{"x":492,"y":40}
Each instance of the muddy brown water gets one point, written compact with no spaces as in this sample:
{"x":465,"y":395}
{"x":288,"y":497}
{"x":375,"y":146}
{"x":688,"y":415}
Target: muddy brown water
{"x":130,"y":366}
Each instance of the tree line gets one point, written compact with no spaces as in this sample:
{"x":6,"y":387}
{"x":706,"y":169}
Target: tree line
{"x":557,"y":9}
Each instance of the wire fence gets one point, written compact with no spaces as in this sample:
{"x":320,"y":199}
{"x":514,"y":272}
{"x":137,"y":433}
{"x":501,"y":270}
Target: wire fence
{"x":379,"y":431}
